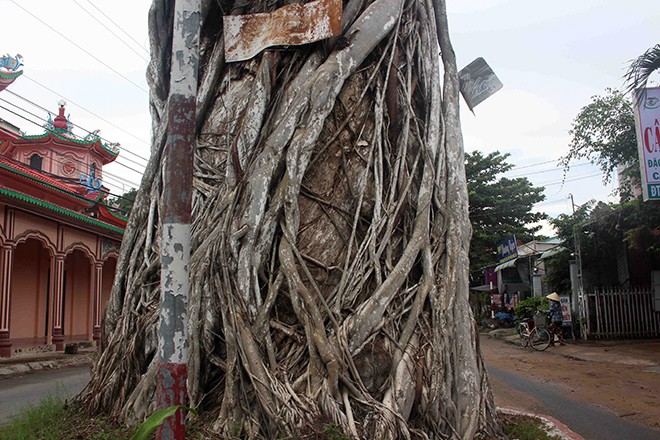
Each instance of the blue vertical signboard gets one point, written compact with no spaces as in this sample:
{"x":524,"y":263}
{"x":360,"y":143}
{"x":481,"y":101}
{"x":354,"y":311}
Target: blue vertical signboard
{"x":507,"y":250}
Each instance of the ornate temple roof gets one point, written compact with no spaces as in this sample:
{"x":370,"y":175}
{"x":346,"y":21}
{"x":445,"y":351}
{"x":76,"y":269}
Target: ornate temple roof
{"x":48,"y":194}
{"x":9,"y":69}
{"x":74,"y":202}
{"x":59,"y":133}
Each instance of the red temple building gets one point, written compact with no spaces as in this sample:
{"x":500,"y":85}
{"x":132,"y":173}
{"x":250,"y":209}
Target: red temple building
{"x":59,"y":239}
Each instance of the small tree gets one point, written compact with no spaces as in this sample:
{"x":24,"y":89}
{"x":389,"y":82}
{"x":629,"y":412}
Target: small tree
{"x":603,"y":132}
{"x":124,"y":203}
{"x":499,"y":206}
{"x":607,"y":230}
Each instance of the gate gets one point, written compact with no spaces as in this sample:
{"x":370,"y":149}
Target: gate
{"x":618,"y":313}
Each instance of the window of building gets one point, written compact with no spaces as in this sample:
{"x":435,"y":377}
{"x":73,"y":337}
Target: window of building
{"x":36,"y":162}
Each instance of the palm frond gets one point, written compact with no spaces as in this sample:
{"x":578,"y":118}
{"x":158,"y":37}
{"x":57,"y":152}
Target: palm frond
{"x":641,"y":69}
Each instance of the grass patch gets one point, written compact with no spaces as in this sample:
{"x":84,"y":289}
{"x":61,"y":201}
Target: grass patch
{"x":522,"y":427}
{"x":53,"y":419}
{"x":37,"y":422}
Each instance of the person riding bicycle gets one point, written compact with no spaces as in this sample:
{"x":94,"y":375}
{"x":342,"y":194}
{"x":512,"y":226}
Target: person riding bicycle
{"x":555,"y":318}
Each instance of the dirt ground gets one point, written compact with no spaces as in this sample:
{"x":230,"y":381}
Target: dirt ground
{"x":622,"y":379}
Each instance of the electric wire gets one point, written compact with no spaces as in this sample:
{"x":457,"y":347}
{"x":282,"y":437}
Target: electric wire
{"x":60,"y":177}
{"x":41,"y":126}
{"x":82,"y":49}
{"x":74,"y":125}
{"x":551,"y":183}
{"x":573,"y":179}
{"x":551,"y":170}
{"x":534,"y":164}
{"x":90,"y":112}
{"x":118,"y":27}
{"x":111,"y":31}
{"x":116,"y":178}
{"x":71,"y":193}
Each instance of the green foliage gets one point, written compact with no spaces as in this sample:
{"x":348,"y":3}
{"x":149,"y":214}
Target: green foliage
{"x":53,"y":419}
{"x":528,"y":307}
{"x":499,"y":206}
{"x":558,"y":276}
{"x":124,"y":203}
{"x":568,"y":225}
{"x":603,"y":229}
{"x":37,"y":422}
{"x":604,"y":133}
{"x":527,"y":428}
{"x":156,"y":420}
{"x":640,"y":222}
{"x":333,"y":432}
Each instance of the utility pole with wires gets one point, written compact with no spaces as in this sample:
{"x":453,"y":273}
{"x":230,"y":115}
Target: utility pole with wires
{"x":177,"y":200}
{"x":578,"y":297}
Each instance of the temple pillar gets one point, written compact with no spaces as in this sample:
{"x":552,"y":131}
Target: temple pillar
{"x":58,"y":293}
{"x":5,"y":292}
{"x":98,"y":287}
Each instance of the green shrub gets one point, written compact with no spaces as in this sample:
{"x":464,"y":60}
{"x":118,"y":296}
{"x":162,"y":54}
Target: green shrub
{"x":528,"y":307}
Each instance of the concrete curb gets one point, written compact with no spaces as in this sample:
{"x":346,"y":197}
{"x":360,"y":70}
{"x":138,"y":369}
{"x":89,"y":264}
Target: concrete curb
{"x":17,"y":366}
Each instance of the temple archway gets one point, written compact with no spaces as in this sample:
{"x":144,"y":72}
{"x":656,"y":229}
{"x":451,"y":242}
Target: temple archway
{"x":77,"y":297}
{"x":29,"y":322}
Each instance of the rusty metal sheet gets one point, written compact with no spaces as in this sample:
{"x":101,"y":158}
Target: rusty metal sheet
{"x":247,"y":35}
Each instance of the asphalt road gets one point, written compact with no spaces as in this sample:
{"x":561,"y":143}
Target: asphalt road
{"x":590,"y":421}
{"x":17,"y":393}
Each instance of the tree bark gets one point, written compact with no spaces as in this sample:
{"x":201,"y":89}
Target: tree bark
{"x":330,"y":236}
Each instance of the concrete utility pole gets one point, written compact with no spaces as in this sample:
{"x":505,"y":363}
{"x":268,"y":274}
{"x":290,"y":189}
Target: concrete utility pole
{"x":177,"y":201}
{"x":578,"y":297}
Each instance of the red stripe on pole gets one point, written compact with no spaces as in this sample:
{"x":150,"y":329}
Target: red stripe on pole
{"x":177,"y":185}
{"x":171,"y":391}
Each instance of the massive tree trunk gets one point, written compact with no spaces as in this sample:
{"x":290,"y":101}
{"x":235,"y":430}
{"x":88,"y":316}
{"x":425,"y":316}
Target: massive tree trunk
{"x":330,"y":238}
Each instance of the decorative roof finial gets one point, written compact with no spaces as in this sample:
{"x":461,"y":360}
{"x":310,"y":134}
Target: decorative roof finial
{"x":60,"y":120}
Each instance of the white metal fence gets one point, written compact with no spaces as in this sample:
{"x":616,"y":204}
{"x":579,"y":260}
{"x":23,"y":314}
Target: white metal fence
{"x":618,"y":313}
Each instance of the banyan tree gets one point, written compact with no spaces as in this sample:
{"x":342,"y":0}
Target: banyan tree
{"x":330,"y":236}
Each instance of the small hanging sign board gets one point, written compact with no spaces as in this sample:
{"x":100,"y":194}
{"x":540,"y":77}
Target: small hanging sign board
{"x":478,"y":82}
{"x":295,"y":24}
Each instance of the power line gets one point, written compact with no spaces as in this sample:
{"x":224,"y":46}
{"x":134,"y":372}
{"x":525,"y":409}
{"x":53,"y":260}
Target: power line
{"x":561,"y":182}
{"x":35,"y":123}
{"x":110,"y":30}
{"x":117,"y":179}
{"x":79,"y":47}
{"x":534,"y":164}
{"x":552,"y":170}
{"x":91,"y":113}
{"x":118,"y":27}
{"x":549,"y":202}
{"x":69,"y":192}
{"x":74,"y":125}
{"x":29,"y":120}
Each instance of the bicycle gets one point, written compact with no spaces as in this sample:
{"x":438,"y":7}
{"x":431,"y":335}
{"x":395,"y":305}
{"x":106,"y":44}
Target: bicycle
{"x":538,"y":337}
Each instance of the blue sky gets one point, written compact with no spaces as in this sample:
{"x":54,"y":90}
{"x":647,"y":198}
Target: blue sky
{"x":551,"y":56}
